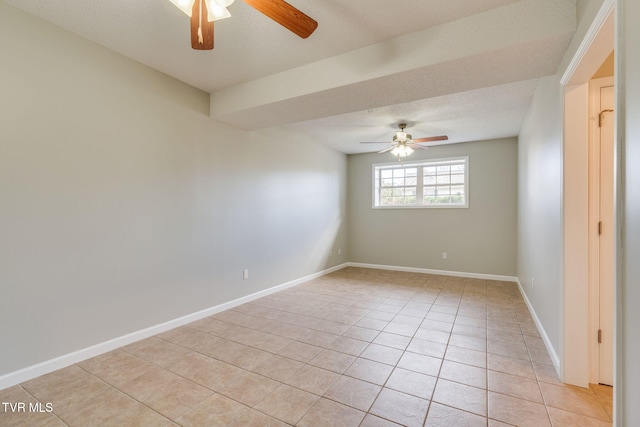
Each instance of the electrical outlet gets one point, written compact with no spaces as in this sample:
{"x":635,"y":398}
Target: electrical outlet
{"x":339,"y":251}
{"x":532,"y":279}
{"x":444,"y":255}
{"x":245,"y":274}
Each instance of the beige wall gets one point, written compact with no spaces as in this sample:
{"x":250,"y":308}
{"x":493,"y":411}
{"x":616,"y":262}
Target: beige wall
{"x":123,"y":205}
{"x":607,"y":68}
{"x":480,"y":239}
{"x":627,"y":390}
{"x":540,"y":207}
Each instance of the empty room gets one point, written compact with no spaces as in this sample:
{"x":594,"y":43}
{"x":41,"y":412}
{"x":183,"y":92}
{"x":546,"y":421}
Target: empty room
{"x":362,"y":213}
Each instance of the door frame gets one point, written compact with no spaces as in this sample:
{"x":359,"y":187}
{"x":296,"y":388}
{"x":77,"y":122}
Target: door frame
{"x":592,"y":52}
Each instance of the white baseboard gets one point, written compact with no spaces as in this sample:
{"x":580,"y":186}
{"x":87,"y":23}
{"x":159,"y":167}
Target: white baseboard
{"x":543,"y":334}
{"x":48,"y":366}
{"x":437,"y":272}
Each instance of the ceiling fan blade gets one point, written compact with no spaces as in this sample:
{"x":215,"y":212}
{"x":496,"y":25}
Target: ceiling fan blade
{"x":201,"y":28}
{"x":418,"y":146}
{"x":373,"y":142}
{"x":432,"y":138}
{"x":387,"y":149}
{"x":286,"y":15}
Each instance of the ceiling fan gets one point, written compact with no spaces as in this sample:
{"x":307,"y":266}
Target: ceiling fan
{"x":403,"y":143}
{"x":204,"y":12}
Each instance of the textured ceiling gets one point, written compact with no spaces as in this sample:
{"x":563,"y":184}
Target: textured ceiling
{"x":465,"y":68}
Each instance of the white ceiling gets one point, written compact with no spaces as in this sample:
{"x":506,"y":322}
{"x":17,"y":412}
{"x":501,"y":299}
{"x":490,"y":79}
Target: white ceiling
{"x":464,"y":68}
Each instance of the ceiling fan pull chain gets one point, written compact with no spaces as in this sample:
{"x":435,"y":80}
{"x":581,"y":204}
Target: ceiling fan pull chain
{"x":200,"y":38}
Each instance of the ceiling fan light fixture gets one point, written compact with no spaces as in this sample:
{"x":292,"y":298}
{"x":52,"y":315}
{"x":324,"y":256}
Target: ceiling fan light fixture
{"x":217,"y":9}
{"x":184,"y":5}
{"x":402,"y":151}
{"x":223,"y":3}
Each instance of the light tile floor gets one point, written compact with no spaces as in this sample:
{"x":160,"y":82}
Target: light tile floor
{"x":358,"y":347}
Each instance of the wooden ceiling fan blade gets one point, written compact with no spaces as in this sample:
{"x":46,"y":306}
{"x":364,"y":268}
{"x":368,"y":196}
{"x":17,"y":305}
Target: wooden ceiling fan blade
{"x":201,"y":28}
{"x":286,"y":15}
{"x":432,"y":139}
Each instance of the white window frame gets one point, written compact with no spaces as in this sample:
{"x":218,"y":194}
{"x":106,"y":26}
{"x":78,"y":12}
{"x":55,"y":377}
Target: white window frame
{"x":419,"y":185}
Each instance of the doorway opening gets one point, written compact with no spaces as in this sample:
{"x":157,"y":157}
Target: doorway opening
{"x":601,"y":229}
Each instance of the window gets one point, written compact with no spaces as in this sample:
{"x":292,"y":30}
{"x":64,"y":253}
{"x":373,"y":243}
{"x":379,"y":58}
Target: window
{"x":441,"y":183}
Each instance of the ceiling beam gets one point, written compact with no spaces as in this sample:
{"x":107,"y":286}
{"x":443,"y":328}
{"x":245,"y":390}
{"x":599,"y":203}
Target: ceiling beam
{"x":516,"y":42}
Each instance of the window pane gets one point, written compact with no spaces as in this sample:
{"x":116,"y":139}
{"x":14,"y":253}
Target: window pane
{"x":457,"y":179}
{"x":398,"y":173}
{"x":408,"y":200}
{"x":447,"y":186}
{"x":443,"y":183}
{"x":457,"y":194}
{"x":443,"y":179}
{"x":429,"y":170}
{"x":443,"y":190}
{"x":457,"y":189}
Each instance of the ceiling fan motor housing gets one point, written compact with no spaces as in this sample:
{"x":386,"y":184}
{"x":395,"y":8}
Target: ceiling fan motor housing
{"x":402,"y":137}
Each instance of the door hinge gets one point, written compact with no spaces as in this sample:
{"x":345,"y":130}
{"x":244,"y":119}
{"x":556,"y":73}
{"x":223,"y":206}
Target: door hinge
{"x":599,"y":228}
{"x":600,"y":116}
{"x":599,"y":336}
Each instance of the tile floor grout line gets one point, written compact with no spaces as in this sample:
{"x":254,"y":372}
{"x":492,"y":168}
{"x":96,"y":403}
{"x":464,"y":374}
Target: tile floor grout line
{"x":435,"y":386}
{"x":40,"y":401}
{"x":392,"y":371}
{"x":210,"y":389}
{"x":124,"y":393}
